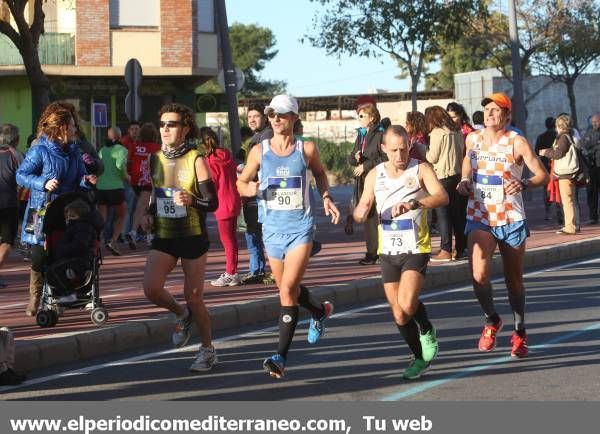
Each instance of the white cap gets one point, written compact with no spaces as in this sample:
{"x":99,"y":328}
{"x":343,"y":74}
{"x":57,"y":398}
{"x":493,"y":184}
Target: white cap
{"x":282,"y":104}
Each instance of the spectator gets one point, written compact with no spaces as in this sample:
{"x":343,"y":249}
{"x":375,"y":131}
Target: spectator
{"x":224,"y":176}
{"x":478,"y":120}
{"x":130,"y":141}
{"x":53,"y":166}
{"x":140,"y":179}
{"x":561,"y":153}
{"x":111,"y":190}
{"x":9,"y":162}
{"x":367,"y":154}
{"x":460,"y":117}
{"x":254,"y":242}
{"x":417,"y":135}
{"x":545,"y":141}
{"x":590,"y":144}
{"x":446,"y":148}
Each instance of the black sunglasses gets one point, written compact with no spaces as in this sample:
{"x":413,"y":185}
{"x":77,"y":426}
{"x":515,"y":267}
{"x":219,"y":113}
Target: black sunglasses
{"x":169,"y":124}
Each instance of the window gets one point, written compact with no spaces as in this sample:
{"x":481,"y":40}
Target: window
{"x":206,"y":16}
{"x":134,"y":13}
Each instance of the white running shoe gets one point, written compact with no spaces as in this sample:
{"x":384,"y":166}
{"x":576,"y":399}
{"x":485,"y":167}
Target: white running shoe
{"x":205,"y":360}
{"x":226,"y":279}
{"x":183,"y":329}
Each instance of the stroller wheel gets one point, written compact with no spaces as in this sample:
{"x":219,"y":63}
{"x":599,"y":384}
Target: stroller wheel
{"x":46,"y":318}
{"x":99,"y":316}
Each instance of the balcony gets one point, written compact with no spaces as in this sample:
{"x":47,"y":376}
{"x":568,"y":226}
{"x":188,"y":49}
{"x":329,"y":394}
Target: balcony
{"x":53,"y":49}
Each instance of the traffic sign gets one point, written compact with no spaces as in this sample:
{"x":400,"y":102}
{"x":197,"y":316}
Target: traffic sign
{"x":100,"y":118}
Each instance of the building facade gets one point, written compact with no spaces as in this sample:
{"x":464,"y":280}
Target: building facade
{"x":87,"y":44}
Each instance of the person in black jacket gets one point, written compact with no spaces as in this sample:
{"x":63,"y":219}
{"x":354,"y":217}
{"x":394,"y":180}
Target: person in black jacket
{"x":366,"y":155}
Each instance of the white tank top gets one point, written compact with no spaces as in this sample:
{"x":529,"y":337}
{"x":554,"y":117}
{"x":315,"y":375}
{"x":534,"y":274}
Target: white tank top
{"x":408,"y":233}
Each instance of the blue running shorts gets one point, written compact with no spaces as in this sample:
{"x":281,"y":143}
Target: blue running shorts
{"x":277,"y":245}
{"x":513,"y":234}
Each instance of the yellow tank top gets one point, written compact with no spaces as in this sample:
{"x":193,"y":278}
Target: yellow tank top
{"x":169,"y":176}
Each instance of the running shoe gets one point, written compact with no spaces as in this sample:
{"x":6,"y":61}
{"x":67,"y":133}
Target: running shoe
{"x":112,"y":249}
{"x":316,"y":329}
{"x":269,"y":279}
{"x":429,"y":345}
{"x":183,"y":330}
{"x":487,"y":341}
{"x":205,"y":360}
{"x":131,"y":240}
{"x":519,"y":345}
{"x":227,"y":279}
{"x":316,"y":248}
{"x":250,"y":279}
{"x":416,"y":368}
{"x":275,"y":366}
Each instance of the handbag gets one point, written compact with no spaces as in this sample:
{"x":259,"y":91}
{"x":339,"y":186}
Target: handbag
{"x":568,"y":165}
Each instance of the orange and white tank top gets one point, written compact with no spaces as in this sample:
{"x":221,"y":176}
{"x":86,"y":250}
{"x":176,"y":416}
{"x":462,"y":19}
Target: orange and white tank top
{"x":491,"y":165}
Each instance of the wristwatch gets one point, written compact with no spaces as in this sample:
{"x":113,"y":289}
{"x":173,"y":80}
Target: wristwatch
{"x":414,"y":204}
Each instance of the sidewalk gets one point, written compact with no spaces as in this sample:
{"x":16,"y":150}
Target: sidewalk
{"x":334,"y":274}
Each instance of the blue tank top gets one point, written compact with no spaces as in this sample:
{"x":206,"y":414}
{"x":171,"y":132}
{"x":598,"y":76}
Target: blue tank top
{"x":285,"y":203}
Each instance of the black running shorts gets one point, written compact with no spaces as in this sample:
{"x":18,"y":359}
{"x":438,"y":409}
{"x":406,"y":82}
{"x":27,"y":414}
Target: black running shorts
{"x":110,"y":197}
{"x":185,"y":247}
{"x":9,"y":222}
{"x":392,"y":266}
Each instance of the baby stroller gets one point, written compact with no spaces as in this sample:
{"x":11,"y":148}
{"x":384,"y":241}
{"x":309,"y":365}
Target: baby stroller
{"x":61,"y":290}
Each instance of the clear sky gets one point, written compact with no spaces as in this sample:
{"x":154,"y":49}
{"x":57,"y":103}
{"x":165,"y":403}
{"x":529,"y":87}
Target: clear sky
{"x":309,"y":71}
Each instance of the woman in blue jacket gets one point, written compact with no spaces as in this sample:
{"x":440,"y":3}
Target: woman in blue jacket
{"x":53,"y":167}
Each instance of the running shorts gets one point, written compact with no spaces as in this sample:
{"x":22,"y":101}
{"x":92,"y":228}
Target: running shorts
{"x":110,"y":197}
{"x":513,"y":234}
{"x":191,"y":247}
{"x":9,"y":222}
{"x":277,"y":245}
{"x":392,"y":266}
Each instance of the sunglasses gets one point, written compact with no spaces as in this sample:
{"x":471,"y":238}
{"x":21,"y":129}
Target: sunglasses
{"x":169,"y":124}
{"x":272,"y":115}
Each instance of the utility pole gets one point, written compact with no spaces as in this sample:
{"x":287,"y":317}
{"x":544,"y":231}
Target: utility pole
{"x":518,"y":113}
{"x":230,"y":77}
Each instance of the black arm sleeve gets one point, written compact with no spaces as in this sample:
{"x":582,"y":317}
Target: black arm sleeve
{"x":208,"y":200}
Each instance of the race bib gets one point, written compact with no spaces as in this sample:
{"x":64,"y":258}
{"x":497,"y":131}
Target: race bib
{"x":284,"y":194}
{"x":398,"y":237}
{"x":165,"y":205}
{"x":489,"y":189}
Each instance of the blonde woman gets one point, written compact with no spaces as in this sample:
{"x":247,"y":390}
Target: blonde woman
{"x":566,"y":182}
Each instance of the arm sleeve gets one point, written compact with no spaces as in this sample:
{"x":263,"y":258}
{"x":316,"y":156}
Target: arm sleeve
{"x":28,"y":173}
{"x":562,"y":146}
{"x":433,"y":153}
{"x":207,"y":201}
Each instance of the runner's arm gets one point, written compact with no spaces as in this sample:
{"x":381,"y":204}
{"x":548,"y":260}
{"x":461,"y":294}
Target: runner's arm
{"x":464,"y":186}
{"x":311,"y":153}
{"x":533,"y":163}
{"x":361,"y":210}
{"x":246,"y":185}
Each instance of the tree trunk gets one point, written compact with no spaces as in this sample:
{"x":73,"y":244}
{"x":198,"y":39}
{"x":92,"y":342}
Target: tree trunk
{"x":414,"y":82}
{"x":570,"y":83}
{"x":39,"y":83}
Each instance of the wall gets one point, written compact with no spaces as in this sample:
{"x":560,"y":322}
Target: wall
{"x":93,"y":36}
{"x":143,"y":45}
{"x":15,"y":105}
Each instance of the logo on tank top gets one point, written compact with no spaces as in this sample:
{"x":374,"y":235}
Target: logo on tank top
{"x":283,"y":171}
{"x":411,"y":182}
{"x":183,"y":176}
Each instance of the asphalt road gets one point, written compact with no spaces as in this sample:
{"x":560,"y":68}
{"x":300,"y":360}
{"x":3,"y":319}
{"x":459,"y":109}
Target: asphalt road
{"x":362,"y":356}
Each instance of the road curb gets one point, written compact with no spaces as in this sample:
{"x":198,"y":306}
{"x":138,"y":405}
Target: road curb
{"x":70,"y":347}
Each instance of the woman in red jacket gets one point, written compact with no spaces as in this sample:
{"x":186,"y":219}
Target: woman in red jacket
{"x":224,"y":175}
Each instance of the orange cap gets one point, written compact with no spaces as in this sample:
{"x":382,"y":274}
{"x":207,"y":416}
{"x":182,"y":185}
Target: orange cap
{"x":501,"y":99}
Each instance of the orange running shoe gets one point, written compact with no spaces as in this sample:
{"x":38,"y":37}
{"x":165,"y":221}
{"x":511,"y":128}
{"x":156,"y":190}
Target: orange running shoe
{"x":487,"y":341}
{"x":519,"y":345}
